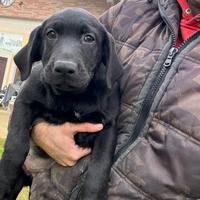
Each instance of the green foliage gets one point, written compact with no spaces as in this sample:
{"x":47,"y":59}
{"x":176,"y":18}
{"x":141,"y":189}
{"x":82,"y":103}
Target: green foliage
{"x":1,"y":146}
{"x":23,"y":194}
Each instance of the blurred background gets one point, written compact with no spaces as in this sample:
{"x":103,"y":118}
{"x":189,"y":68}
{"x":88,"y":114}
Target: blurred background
{"x":17,"y":19}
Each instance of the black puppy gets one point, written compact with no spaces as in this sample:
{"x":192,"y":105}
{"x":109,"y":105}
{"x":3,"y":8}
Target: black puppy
{"x":76,"y":81}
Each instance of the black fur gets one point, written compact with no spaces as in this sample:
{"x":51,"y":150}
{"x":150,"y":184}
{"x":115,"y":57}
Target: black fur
{"x":75,"y":80}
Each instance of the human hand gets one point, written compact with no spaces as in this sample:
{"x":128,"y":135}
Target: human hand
{"x":58,"y":140}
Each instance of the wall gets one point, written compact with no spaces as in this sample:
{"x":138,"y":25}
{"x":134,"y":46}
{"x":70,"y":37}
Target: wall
{"x":13,"y":28}
{"x":40,"y":9}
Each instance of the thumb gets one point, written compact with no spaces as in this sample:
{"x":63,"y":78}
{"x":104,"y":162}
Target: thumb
{"x":86,"y":127}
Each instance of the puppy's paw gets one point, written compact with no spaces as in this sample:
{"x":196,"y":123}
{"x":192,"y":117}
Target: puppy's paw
{"x":85,"y":140}
{"x":4,"y":190}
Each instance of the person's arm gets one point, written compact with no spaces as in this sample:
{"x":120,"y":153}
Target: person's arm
{"x":111,"y":3}
{"x":58,"y":140}
{"x":109,"y":17}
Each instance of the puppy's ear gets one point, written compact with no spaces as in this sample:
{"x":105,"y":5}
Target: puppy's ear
{"x":110,"y":60}
{"x":30,"y":53}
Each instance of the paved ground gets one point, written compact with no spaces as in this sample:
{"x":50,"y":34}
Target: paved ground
{"x":4,"y":117}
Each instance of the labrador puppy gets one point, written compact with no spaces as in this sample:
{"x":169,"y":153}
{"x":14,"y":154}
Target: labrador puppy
{"x":75,"y":80}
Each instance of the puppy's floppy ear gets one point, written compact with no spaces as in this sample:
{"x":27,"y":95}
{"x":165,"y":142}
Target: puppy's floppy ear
{"x":30,"y":53}
{"x":110,"y":60}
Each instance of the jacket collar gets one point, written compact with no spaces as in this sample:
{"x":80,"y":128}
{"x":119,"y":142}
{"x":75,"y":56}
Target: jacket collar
{"x":171,"y":14}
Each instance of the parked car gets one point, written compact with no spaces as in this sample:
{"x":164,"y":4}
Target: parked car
{"x":9,"y":93}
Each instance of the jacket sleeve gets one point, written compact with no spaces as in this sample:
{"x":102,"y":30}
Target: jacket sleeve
{"x":108,"y":18}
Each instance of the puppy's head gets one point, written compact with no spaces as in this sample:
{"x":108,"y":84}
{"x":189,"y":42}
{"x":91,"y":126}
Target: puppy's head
{"x":72,"y":46}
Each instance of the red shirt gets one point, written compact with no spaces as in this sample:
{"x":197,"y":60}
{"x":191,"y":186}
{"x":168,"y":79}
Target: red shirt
{"x":189,"y":24}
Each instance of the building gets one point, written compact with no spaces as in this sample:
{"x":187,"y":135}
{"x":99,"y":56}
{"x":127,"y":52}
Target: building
{"x":19,"y":17}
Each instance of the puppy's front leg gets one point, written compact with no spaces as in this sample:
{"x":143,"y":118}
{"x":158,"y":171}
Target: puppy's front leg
{"x":16,"y":148}
{"x":98,"y":174}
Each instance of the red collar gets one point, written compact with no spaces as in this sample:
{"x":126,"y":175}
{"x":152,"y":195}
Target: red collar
{"x":189,"y":24}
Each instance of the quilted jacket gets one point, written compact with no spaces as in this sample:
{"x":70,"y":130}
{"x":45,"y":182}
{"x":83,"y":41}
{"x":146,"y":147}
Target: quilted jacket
{"x":158,"y":151}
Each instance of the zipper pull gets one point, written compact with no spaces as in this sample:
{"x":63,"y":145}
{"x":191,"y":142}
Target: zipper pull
{"x":172,"y":52}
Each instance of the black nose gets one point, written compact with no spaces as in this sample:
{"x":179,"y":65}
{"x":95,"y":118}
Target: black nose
{"x":66,"y":67}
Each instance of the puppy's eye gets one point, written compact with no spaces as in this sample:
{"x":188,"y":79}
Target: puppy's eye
{"x":51,"y":34}
{"x":88,"y":38}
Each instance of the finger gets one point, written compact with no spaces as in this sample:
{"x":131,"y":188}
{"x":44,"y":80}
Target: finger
{"x":86,"y":127}
{"x":80,"y":152}
{"x":62,"y":163}
{"x":66,"y":163}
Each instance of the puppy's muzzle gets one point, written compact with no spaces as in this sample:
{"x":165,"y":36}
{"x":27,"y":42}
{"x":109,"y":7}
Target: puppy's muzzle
{"x":68,"y":75}
{"x":66,"y":68}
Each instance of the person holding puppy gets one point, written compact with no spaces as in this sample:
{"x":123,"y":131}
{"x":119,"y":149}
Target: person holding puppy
{"x":158,"y":151}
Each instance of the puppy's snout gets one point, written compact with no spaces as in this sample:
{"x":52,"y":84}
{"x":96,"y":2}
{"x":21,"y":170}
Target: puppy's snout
{"x":66,"y":67}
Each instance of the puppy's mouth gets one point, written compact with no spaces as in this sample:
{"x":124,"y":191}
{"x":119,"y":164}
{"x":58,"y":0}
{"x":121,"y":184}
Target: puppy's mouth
{"x":67,"y":87}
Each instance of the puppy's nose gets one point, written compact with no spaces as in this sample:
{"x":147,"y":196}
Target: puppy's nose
{"x":66,"y":67}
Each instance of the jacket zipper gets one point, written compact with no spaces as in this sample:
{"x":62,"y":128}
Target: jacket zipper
{"x":144,"y":113}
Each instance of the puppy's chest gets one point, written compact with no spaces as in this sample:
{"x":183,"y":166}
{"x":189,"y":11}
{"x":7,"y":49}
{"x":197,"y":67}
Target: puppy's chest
{"x":73,"y":116}
{"x":63,"y":110}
